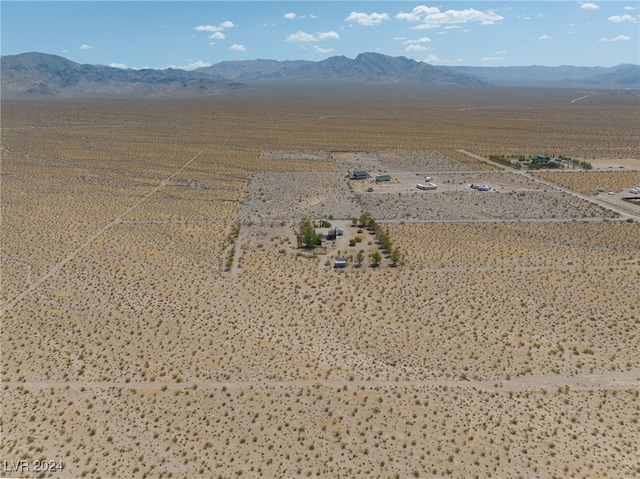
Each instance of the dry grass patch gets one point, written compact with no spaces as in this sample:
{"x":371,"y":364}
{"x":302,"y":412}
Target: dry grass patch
{"x":429,"y":161}
{"x":588,"y":182}
{"x":415,"y":205}
{"x":517,"y":245}
{"x":312,"y":429}
{"x":287,"y":197}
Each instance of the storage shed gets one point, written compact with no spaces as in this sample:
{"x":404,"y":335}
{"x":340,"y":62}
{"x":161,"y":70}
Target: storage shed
{"x":340,"y":263}
{"x":359,"y":175}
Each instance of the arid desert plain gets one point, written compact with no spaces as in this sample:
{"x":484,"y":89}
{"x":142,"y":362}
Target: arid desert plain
{"x":160,"y":321}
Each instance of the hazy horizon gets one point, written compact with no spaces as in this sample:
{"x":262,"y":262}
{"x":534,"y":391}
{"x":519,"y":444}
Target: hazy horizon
{"x":330,"y":56}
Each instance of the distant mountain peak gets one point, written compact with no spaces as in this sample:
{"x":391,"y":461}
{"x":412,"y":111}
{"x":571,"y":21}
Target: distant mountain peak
{"x":369,"y":67}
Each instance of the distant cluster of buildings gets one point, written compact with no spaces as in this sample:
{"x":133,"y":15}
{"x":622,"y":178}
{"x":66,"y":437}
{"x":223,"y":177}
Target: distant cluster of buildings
{"x":384,"y":178}
{"x":363,"y":175}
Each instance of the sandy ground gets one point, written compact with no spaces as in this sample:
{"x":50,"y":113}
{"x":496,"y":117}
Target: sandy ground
{"x":503,"y":344}
{"x":619,"y":163}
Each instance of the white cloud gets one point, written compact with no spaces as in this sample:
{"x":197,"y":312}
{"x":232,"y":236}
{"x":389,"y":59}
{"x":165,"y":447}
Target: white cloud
{"x":300,"y":37}
{"x":544,"y":37}
{"x":191,"y":66}
{"x":236,"y":47}
{"x":303,"y":37}
{"x":500,"y":52}
{"x":434,"y":60}
{"x":589,"y":6}
{"x":118,"y":65}
{"x":492,"y":59}
{"x":85,"y":47}
{"x":290,"y":16}
{"x":615,"y":39}
{"x":215,"y":28}
{"x":217,"y":36}
{"x":432,"y":17}
{"x":415,"y":48}
{"x":367,"y":20}
{"x":419,"y":40}
{"x":630,"y":8}
{"x":417,"y":14}
{"x":328,"y":36}
{"x":623,"y":18}
{"x":317,"y":49}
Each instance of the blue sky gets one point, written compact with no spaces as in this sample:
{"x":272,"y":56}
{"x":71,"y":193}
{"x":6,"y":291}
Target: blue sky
{"x":161,"y":34}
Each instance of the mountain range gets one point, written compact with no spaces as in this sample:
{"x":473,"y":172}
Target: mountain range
{"x":37,"y":75}
{"x":619,"y":76}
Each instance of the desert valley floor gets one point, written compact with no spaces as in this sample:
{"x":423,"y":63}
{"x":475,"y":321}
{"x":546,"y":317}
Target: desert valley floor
{"x":159,"y":319}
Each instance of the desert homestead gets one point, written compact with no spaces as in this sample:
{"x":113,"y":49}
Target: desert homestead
{"x":382,"y":178}
{"x":340,"y":263}
{"x":428,"y":186}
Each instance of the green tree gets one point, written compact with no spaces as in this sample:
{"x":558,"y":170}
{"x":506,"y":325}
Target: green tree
{"x":360,"y":257}
{"x":385,"y":241}
{"x":376,"y":257}
{"x":395,"y":256}
{"x":309,"y":236}
{"x":365,"y":219}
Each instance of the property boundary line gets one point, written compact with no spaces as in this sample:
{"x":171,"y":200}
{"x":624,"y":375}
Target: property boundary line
{"x":116,"y":221}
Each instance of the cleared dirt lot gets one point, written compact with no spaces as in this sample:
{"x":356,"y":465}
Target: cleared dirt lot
{"x":494,"y":348}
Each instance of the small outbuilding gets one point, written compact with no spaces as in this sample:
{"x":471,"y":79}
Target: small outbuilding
{"x":340,"y":263}
{"x":381,"y":178}
{"x":359,"y":175}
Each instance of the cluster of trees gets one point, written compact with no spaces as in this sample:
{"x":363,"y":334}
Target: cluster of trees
{"x":506,"y":161}
{"x":519,"y":162}
{"x":366,"y":221}
{"x":581,"y":163}
{"x":308,"y":235}
{"x":308,"y":238}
